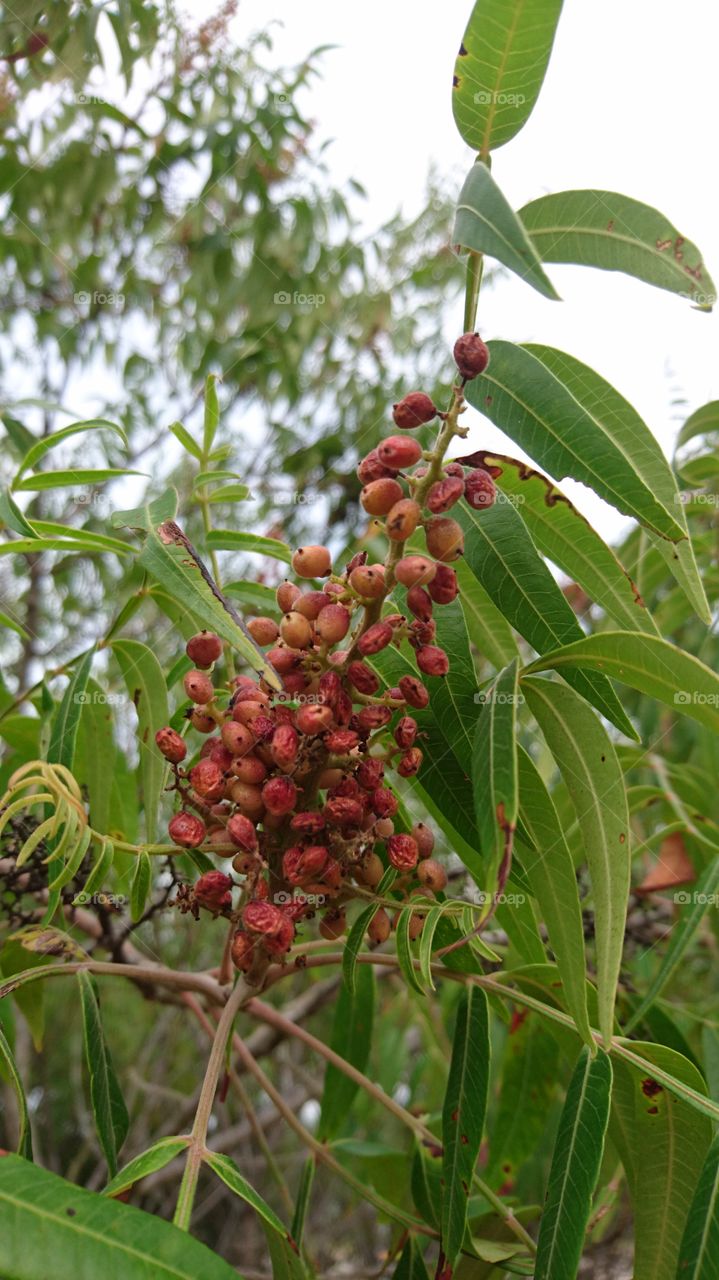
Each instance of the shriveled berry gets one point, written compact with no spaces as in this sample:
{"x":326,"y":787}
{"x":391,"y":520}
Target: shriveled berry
{"x":384,"y":802}
{"x":444,"y":493}
{"x":403,"y":519}
{"x":333,"y":623}
{"x":368,"y":581}
{"x":379,"y":928}
{"x":432,"y":660}
{"x":172,"y":746}
{"x":421,"y":632}
{"x":405,"y":732}
{"x":413,"y":571}
{"x":263,"y":728}
{"x":341,"y":741}
{"x":375,"y":638}
{"x":480,"y":489}
{"x":445,"y":539}
{"x":212,"y":890}
{"x":296,"y":631}
{"x":424,"y":837}
{"x":369,"y":774}
{"x":379,"y":496}
{"x":343,"y":811}
{"x":413,"y":410}
{"x":198,"y":686}
{"x":371,"y":718}
{"x":187,"y":830}
{"x":208,"y":780}
{"x":471,"y":355}
{"x":410,"y":763}
{"x":309,"y":823}
{"x":263,"y":630}
{"x":444,"y":587}
{"x":402,"y":852}
{"x":312,"y":562}
{"x":419,"y":603}
{"x":362,"y":677}
{"x":314,"y":718}
{"x":204,"y":649}
{"x":414,"y":692}
{"x":399,"y":452}
{"x":263,"y":917}
{"x":284,"y":746}
{"x":242,"y":832}
{"x":279,"y":795}
{"x":242,"y":951}
{"x":301,"y":865}
{"x":370,"y":468}
{"x":432,"y":875}
{"x":279,"y":944}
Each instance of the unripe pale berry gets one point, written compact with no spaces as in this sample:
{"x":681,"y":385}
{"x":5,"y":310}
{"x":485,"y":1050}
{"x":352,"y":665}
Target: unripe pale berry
{"x":204,"y":649}
{"x":471,"y":355}
{"x":198,"y":686}
{"x":413,"y":571}
{"x":413,"y":411}
{"x":414,"y":692}
{"x":311,"y":603}
{"x":296,"y":630}
{"x":424,"y":838}
{"x":419,"y":603}
{"x":432,"y":660}
{"x":172,"y":746}
{"x":368,"y":581}
{"x":444,"y":494}
{"x":399,"y":452}
{"x":312,"y":562}
{"x":370,"y":468}
{"x":402,"y":519}
{"x":187,"y":830}
{"x":248,"y":798}
{"x":379,"y":928}
{"x":480,"y":489}
{"x":379,"y":496}
{"x":444,"y":587}
{"x":286,"y":594}
{"x":263,"y":630}
{"x":432,"y":875}
{"x":333,"y":623}
{"x":375,"y":638}
{"x":445,"y":539}
{"x":313,"y":718}
{"x":402,"y":852}
{"x":237,"y":737}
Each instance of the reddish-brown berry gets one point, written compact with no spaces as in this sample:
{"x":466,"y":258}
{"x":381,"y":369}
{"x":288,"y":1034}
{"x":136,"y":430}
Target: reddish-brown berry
{"x":399,"y":452}
{"x":213,"y":890}
{"x":263,"y":630}
{"x":207,"y":780}
{"x":424,"y":838}
{"x":312,"y":562}
{"x":371,"y":718}
{"x":379,"y":928}
{"x":444,"y":587}
{"x":284,"y":660}
{"x":480,"y":489}
{"x":402,"y":852}
{"x":375,"y":638}
{"x":368,"y":581}
{"x":410,"y":763}
{"x":379,"y":496}
{"x":333,"y":924}
{"x":308,"y":823}
{"x":201,"y":721}
{"x":370,"y":871}
{"x":343,"y":811}
{"x":333,"y":623}
{"x":242,"y":832}
{"x":432,"y":660}
{"x":341,"y":741}
{"x":172,"y":746}
{"x":198,"y":686}
{"x":403,"y":519}
{"x":405,"y":732}
{"x":445,"y":539}
{"x":413,"y":571}
{"x":384,"y":802}
{"x":471,"y":355}
{"x":369,"y":774}
{"x":414,"y":692}
{"x":279,"y":795}
{"x":362,"y":677}
{"x":444,"y":494}
{"x":242,"y":951}
{"x":279,"y":944}
{"x":419,"y":603}
{"x":314,"y":718}
{"x":263,"y":917}
{"x":432,"y":875}
{"x":204,"y":649}
{"x":284,"y":746}
{"x":187,"y":830}
{"x":413,"y":411}
{"x":370,"y":468}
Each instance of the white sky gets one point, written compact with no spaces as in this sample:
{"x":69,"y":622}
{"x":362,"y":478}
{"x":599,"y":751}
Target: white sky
{"x":628,"y":105}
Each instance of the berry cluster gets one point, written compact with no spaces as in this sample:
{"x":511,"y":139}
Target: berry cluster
{"x":292,"y":786}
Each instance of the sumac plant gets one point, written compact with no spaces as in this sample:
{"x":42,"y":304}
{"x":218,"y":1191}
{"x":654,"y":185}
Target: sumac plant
{"x":434,"y":835}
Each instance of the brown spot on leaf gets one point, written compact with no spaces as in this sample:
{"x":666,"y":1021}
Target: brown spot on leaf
{"x":650,"y":1088}
{"x":70,"y":1211}
{"x":462,"y":51}
{"x":610,"y":224}
{"x":663,"y":245}
{"x":455,"y":82}
{"x":652,"y":1111}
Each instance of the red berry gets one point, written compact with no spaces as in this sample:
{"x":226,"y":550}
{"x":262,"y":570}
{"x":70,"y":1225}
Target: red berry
{"x":187,"y":830}
{"x":242,"y":951}
{"x":402,"y":520}
{"x":375,"y":638}
{"x":480,"y":489}
{"x":369,"y":773}
{"x":279,"y":795}
{"x":341,"y":741}
{"x":242,"y":832}
{"x":343,"y":811}
{"x":413,"y":571}
{"x":284,"y":746}
{"x":198,"y":686}
{"x":263,"y":917}
{"x":279,"y":944}
{"x":444,"y":587}
{"x":362,"y":677}
{"x":204,"y":649}
{"x":370,"y":468}
{"x":405,"y":732}
{"x":208,"y":780}
{"x":413,"y":411}
{"x":379,"y":496}
{"x":371,"y":718}
{"x":333,"y":623}
{"x":402,"y":852}
{"x":399,"y":452}
{"x":432,"y":660}
{"x":212,"y":890}
{"x":384,"y":802}
{"x":419,"y":603}
{"x":172,"y":746}
{"x":410,"y":763}
{"x":471,"y":355}
{"x":314,"y":718}
{"x":309,"y":823}
{"x":414,"y":692}
{"x":445,"y":539}
{"x":444,"y":494}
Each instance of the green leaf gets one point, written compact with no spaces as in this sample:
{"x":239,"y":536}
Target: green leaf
{"x":494,"y":775}
{"x":64,"y":479}
{"x":149,"y":516}
{"x":41,"y":447}
{"x":405,"y":955}
{"x":254,"y":594}
{"x":648,"y":663}
{"x":426,"y":940}
{"x":489,"y":630}
{"x":96,"y":752}
{"x":566,"y":537}
{"x":108,"y":1106}
{"x":231,"y":493}
{"x":662,"y":1143}
{"x":12,"y":516}
{"x":212,"y":413}
{"x":182,"y":434}
{"x":463,"y":1111}
{"x":24,"y":1140}
{"x":302,"y":1202}
{"x":699,"y":1250}
{"x":179,"y":573}
{"x":227,"y":1170}
{"x":156,"y":1157}
{"x":411,"y":1263}
{"x":702,"y":422}
{"x":589,"y":766}
{"x":232,"y":540}
{"x":53,"y":1228}
{"x":145,"y":684}
{"x":500,"y":553}
{"x":65,"y":722}
{"x":351,"y":1039}
{"x":614,"y":232}
{"x":357,"y":932}
{"x":486,"y":223}
{"x":12,"y":625}
{"x":140,"y":885}
{"x":85,"y":538}
{"x":575,"y":1168}
{"x":550,"y":871}
{"x":527,"y":1091}
{"x":703,"y":895}
{"x":573,"y":423}
{"x":500,"y":68}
